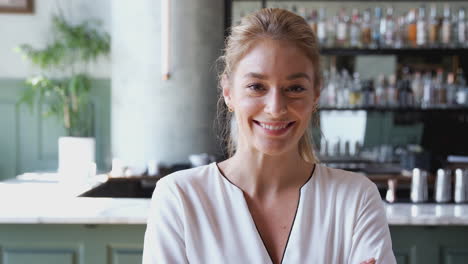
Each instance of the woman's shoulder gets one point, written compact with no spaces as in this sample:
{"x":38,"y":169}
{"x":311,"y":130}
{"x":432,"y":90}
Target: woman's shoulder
{"x":344,"y":179}
{"x":188,"y":178}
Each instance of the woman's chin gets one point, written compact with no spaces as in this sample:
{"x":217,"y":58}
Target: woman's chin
{"x":275,"y":149}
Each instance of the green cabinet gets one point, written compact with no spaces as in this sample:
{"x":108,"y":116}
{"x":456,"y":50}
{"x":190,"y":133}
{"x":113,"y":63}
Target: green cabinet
{"x":122,"y":244}
{"x":71,"y":244}
{"x":430,"y":244}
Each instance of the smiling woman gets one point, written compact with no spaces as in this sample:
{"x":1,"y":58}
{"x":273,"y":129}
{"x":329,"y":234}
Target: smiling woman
{"x":270,"y":201}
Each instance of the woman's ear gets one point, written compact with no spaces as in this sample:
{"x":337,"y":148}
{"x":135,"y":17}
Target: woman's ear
{"x":225,"y":84}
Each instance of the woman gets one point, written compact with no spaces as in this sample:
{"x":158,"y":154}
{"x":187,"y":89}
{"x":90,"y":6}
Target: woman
{"x":270,"y":202}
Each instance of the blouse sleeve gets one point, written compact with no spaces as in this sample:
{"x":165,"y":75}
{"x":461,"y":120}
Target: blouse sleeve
{"x":164,"y":236}
{"x":371,"y":234}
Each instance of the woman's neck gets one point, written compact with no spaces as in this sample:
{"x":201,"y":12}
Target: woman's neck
{"x":260,"y":175}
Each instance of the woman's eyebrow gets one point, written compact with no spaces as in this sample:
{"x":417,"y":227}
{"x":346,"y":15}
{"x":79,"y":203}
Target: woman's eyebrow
{"x":298,"y":75}
{"x":255,"y":75}
{"x":290,"y":77}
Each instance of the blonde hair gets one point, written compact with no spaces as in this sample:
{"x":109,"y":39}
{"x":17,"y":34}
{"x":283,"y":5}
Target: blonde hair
{"x":277,"y":24}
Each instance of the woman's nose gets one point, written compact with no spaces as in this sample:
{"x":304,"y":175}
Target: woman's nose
{"x":276,"y":104}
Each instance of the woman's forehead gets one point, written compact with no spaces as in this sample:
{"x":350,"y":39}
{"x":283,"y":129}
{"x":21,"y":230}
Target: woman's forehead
{"x":278,"y":57}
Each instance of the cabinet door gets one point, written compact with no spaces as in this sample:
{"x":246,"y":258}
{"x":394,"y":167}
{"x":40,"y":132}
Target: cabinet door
{"x":425,"y":244}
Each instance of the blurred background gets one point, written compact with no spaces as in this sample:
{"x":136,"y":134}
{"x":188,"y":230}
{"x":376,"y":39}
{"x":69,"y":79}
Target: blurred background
{"x":100,"y":99}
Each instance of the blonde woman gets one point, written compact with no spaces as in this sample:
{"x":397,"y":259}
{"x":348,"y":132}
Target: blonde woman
{"x":270,"y":202}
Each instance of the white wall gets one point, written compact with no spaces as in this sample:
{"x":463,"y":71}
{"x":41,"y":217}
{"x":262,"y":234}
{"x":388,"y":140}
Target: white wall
{"x":34,"y":29}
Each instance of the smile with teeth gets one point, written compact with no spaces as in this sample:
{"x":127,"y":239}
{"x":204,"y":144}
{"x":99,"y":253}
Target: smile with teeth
{"x":274,"y":127}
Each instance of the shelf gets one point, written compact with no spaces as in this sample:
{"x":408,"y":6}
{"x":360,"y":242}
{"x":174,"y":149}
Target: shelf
{"x":396,"y":109}
{"x":393,"y":51}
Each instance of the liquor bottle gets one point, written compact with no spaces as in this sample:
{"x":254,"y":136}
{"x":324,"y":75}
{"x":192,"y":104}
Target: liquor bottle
{"x":383,"y":30}
{"x":462,"y":89}
{"x":433,"y":27}
{"x":302,"y":11}
{"x":389,"y":28}
{"x":427,"y":99}
{"x":313,"y":20}
{"x":412,"y":28}
{"x":400,"y":32}
{"x":376,"y":27}
{"x":405,"y":94}
{"x":440,"y":95}
{"x":417,"y":86}
{"x":355,"y":29}
{"x":446,"y":30}
{"x":392,"y":94}
{"x":322,"y":27}
{"x":331,"y":31}
{"x":421,"y":38}
{"x":380,"y":93}
{"x":343,"y":89}
{"x":324,"y":93}
{"x":451,"y":89}
{"x":342,"y":34}
{"x":332,"y":88}
{"x":462,"y":39}
{"x":366,"y":35}
{"x":368,"y":93}
{"x":355,"y":93}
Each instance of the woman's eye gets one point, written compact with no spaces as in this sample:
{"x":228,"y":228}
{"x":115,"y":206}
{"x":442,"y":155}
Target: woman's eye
{"x":295,"y":88}
{"x":256,"y":87}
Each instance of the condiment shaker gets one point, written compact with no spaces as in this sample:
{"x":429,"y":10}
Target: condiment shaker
{"x":443,"y":187}
{"x":461,"y":185}
{"x":391,"y":192}
{"x":419,"y":186}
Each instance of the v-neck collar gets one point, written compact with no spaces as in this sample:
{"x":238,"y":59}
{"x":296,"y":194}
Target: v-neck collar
{"x":246,"y":206}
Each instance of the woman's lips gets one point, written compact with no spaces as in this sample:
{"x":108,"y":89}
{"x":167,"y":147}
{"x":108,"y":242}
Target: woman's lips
{"x":274,"y":128}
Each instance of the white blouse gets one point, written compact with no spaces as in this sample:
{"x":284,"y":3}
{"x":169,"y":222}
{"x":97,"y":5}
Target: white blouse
{"x":199,"y":216}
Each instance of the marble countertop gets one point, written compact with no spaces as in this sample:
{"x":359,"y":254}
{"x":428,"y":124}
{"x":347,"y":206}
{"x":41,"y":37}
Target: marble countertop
{"x":44,"y":199}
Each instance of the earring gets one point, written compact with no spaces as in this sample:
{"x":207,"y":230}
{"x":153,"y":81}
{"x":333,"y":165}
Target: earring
{"x":230,"y":109}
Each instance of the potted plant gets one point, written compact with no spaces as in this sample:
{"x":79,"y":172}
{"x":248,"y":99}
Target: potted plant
{"x":63,"y":87}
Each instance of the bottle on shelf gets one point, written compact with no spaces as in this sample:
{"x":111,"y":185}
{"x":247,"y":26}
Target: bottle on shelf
{"x":434,"y":26}
{"x":405,"y":93}
{"x":462,"y":89}
{"x":343,"y":89}
{"x":417,"y":86}
{"x":446,"y":30}
{"x":366,"y":34}
{"x":421,"y":38}
{"x":380,"y":92}
{"x":312,"y":20}
{"x":368,"y":93}
{"x":389,"y":28}
{"x":412,"y":28}
{"x":461,"y":29}
{"x":355,"y":92}
{"x":392,"y":95}
{"x":331,"y":88}
{"x":376,"y":27}
{"x":331,"y":31}
{"x":324,"y":92}
{"x":400,"y":32}
{"x":302,"y":11}
{"x":428,"y":91}
{"x":342,"y":34}
{"x":355,"y":29}
{"x":383,"y":30}
{"x":322,"y":27}
{"x":451,"y":89}
{"x":440,"y":93}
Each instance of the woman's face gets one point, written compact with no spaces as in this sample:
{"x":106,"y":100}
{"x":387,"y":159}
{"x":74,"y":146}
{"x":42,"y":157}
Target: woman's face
{"x":272,"y":94}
